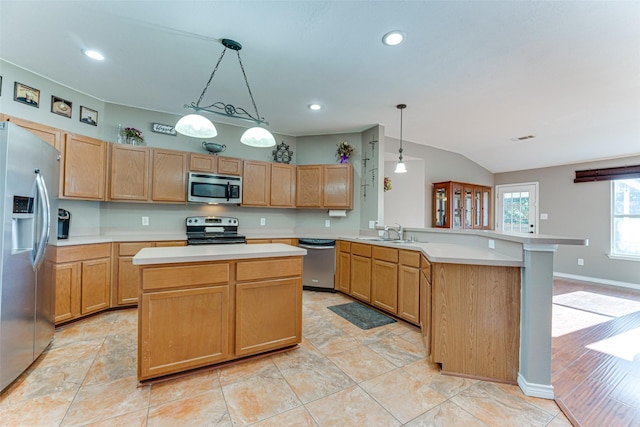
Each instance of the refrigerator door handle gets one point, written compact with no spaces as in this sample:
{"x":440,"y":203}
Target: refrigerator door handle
{"x":43,"y":200}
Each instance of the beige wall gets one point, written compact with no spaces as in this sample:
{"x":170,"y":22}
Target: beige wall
{"x":579,"y":210}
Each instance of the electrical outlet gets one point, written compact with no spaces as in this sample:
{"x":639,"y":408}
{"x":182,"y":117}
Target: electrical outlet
{"x":492,"y":244}
{"x":544,"y":216}
{"x":327,"y":223}
{"x":145,"y":220}
{"x":263,"y":221}
{"x":580,"y":261}
{"x":372,"y":225}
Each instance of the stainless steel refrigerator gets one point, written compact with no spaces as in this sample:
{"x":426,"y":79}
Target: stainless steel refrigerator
{"x":29,"y":173}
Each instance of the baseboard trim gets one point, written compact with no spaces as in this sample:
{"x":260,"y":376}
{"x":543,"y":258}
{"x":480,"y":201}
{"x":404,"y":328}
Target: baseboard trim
{"x":535,"y":390}
{"x":598,"y":281}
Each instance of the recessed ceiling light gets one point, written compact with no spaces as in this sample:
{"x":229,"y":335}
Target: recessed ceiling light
{"x":315,"y":107}
{"x":393,"y":38}
{"x":93,"y":54}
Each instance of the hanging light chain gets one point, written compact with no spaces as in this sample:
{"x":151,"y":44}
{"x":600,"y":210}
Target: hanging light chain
{"x":248,"y":87}
{"x":211,"y":77}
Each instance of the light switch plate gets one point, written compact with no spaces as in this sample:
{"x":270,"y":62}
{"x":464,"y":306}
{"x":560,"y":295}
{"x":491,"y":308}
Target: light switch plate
{"x":372,"y":225}
{"x":145,"y":220}
{"x":263,"y":221}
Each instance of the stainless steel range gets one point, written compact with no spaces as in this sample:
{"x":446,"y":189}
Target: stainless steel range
{"x":213,"y":230}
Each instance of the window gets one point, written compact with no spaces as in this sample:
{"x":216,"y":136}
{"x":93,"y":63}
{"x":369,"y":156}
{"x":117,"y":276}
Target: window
{"x":625,"y":218}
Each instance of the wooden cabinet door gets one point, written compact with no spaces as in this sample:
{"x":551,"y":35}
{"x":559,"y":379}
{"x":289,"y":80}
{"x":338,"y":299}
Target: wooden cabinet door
{"x":343,"y":274}
{"x":283,"y":185}
{"x":229,"y":166}
{"x":96,"y":284}
{"x":280,"y":302}
{"x":169,"y":182}
{"x":203,"y":162}
{"x":409,"y":293}
{"x":67,"y":277}
{"x":384,"y":285}
{"x":309,"y":183}
{"x":49,"y":134}
{"x":182,"y":329}
{"x":425,"y":310}
{"x":85,"y":161}
{"x":338,"y":186}
{"x":129,"y":177}
{"x":360,"y":279}
{"x":256,"y":179}
{"x":128,"y":285}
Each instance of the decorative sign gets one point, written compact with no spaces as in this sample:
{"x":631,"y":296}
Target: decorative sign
{"x":165,"y":129}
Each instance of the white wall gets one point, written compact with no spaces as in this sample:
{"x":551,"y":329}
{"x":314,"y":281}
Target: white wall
{"x":405,"y":202}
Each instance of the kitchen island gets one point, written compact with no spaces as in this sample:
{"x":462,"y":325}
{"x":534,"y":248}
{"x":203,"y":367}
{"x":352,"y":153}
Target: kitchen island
{"x":203,"y":305}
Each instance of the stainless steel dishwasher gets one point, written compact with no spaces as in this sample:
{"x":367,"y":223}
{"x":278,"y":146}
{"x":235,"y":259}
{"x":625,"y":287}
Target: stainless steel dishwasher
{"x":319,"y":264}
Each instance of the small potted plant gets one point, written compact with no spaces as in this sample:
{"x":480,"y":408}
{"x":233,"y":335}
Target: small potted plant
{"x":387,"y":183}
{"x":344,"y":151}
{"x":133,"y":136}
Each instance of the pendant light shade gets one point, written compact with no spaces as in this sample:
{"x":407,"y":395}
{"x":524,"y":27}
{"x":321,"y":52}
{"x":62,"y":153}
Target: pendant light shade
{"x":258,"y":137}
{"x":400,"y":167}
{"x":196,"y":126}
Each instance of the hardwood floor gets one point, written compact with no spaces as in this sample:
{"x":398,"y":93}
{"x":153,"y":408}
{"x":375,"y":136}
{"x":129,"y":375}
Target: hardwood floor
{"x":596,"y":354}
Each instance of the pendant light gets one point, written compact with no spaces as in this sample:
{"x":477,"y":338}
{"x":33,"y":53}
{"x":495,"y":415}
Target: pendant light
{"x":400,"y":166}
{"x":198,"y":126}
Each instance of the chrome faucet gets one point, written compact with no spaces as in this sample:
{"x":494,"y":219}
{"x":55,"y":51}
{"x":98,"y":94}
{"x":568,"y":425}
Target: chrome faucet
{"x":398,"y":230}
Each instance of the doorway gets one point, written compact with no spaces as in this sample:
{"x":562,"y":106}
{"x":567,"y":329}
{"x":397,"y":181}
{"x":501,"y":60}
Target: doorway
{"x":517,"y":208}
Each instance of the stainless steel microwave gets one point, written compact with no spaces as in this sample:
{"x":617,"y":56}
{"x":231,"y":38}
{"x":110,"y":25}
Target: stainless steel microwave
{"x":214,"y":189}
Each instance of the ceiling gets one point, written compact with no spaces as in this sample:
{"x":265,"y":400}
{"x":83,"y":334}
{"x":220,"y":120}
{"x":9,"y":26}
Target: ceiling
{"x":474,"y":75}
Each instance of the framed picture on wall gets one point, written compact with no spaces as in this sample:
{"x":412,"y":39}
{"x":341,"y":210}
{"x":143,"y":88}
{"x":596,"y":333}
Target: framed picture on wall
{"x":26,"y":95}
{"x":60,"y":106}
{"x":88,"y":116}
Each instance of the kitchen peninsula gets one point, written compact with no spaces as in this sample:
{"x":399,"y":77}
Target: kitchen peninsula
{"x":202,"y":305}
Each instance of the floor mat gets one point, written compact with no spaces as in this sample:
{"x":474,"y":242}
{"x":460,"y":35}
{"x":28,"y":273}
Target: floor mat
{"x":361,"y":315}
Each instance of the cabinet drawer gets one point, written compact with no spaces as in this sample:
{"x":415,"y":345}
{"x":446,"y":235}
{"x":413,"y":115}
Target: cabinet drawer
{"x":269,"y":269}
{"x":292,"y":242}
{"x":410,"y":258}
{"x":82,"y":252}
{"x":360,"y":249}
{"x":385,"y":254}
{"x":184,"y":276}
{"x":426,"y":267}
{"x":344,"y":246}
{"x":130,"y":249}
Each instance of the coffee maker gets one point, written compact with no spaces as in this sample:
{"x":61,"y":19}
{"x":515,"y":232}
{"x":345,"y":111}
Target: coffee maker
{"x":64,"y":219}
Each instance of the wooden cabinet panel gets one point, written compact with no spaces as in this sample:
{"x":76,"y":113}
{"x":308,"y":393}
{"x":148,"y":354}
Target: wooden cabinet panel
{"x":269,"y":268}
{"x":169,"y":182}
{"x":67,"y":278}
{"x":129,"y":176}
{"x":292,"y":242}
{"x":183,"y":329}
{"x":309,"y":186}
{"x":384,"y":284}
{"x":81,"y":252}
{"x":280,"y":302}
{"x":170,"y":243}
{"x":360,"y":279}
{"x":256,"y":183}
{"x":425,"y":310}
{"x":229,"y":166}
{"x":283,"y":185}
{"x":385,"y":254}
{"x":159,"y":278}
{"x":338,"y":186}
{"x":361,"y":249}
{"x":409,"y":293}
{"x":203,"y":163}
{"x":96,"y":285}
{"x":343,"y":273}
{"x":128,"y":285}
{"x":85,"y":161}
{"x":49,"y":134}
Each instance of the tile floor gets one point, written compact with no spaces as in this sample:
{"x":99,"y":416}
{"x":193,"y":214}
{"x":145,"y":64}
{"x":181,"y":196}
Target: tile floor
{"x":339,"y":376}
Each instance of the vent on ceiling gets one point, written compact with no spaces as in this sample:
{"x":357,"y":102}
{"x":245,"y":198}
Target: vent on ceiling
{"x":522,"y":138}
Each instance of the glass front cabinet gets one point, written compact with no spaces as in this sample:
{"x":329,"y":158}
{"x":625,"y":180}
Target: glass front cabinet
{"x":461,"y":205}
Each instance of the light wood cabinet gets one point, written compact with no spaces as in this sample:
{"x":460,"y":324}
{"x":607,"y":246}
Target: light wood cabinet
{"x":256,"y":180}
{"x":85,"y":164}
{"x":476,"y":320}
{"x":169,"y":176}
{"x":343,"y":267}
{"x":129,"y":173}
{"x":409,"y":286}
{"x":425,"y":302}
{"x":384,"y":278}
{"x":229,"y":166}
{"x":49,"y":134}
{"x":360,"y":279}
{"x":283,"y":185}
{"x":461,"y":205}
{"x":324,"y":186}
{"x":286,"y":241}
{"x":82,"y":278}
{"x":203,"y":163}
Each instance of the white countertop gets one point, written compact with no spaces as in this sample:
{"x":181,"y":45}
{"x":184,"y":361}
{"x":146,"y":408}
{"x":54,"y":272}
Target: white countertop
{"x":87,"y":240}
{"x":200,"y":253}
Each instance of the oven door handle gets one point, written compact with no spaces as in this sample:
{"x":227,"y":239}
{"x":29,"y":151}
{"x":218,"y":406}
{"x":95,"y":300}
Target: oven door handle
{"x":228,"y":191}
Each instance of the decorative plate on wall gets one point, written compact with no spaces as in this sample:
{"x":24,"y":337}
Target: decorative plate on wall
{"x":282,"y":154}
